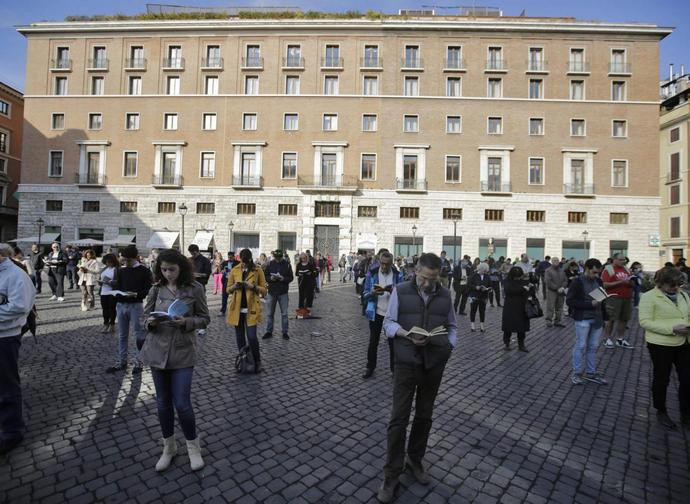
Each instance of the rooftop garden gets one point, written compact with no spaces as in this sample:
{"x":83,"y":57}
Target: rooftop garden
{"x":178,"y":16}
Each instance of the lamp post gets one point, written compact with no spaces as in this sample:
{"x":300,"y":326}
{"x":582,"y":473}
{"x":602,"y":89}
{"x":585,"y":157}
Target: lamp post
{"x":456,"y":217}
{"x":230,"y":226}
{"x":183,"y":212}
{"x":414,"y":234}
{"x":40,"y":222}
{"x":585,"y":234}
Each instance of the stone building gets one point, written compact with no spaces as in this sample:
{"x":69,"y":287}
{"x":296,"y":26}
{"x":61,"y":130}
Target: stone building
{"x":11,"y":120}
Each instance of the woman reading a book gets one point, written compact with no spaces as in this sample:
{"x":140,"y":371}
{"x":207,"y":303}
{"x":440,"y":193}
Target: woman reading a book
{"x":176,"y":307}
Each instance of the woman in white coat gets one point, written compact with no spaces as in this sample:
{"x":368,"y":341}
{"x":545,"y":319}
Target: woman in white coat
{"x":88,"y":271}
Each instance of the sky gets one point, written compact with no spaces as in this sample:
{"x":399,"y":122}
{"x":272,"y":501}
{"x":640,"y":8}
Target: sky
{"x":674,"y":13}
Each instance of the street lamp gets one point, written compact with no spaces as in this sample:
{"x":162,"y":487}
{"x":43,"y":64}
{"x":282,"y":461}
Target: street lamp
{"x":230,"y":226}
{"x":183,"y":212}
{"x":414,"y":234}
{"x":585,"y":234}
{"x":456,"y":218}
{"x":40,"y":222}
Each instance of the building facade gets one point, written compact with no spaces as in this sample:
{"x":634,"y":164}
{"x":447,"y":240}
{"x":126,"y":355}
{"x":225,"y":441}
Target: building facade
{"x":496,"y":134}
{"x":11,"y":122}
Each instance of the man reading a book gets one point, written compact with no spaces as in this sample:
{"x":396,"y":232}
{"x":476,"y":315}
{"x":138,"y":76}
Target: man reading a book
{"x":421,"y":321}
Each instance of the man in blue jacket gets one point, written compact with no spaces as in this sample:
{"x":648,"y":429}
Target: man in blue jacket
{"x":377,"y":291}
{"x":278,"y":273}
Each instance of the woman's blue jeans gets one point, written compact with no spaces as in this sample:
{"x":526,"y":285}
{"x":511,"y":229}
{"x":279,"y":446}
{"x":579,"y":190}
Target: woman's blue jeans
{"x":174,"y":389}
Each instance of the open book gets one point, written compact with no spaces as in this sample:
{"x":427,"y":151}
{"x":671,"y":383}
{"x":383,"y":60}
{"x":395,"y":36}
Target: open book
{"x":600,"y":295}
{"x":420,"y":334}
{"x":120,"y":293}
{"x":177,"y":308}
{"x":388,"y":288}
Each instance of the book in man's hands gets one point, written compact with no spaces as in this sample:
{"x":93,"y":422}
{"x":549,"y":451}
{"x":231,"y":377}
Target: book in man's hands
{"x":177,"y":308}
{"x":600,"y":295}
{"x":419,"y":334}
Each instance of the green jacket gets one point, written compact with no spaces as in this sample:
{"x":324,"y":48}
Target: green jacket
{"x":658,"y":314}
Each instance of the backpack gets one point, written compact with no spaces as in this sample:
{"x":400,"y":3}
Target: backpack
{"x":244,"y":362}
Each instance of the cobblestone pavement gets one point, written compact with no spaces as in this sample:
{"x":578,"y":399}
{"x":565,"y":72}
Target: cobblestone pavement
{"x":508,"y":427}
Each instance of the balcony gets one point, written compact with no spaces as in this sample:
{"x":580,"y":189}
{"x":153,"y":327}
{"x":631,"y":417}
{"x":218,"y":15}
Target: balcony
{"x":135,"y":64}
{"x":61,"y":65}
{"x":496,"y":65}
{"x":332,"y":63}
{"x":173,"y":63}
{"x":491,"y":187}
{"x":167,"y":181}
{"x":670,"y":177}
{"x":253,"y":63}
{"x":454,"y":65}
{"x":578,"y":67}
{"x":410,"y":185}
{"x":579,"y":190}
{"x":293,"y":62}
{"x":99,"y":64}
{"x":244,"y":182}
{"x":90,"y":179}
{"x":371,"y":63}
{"x":537,"y":66}
{"x":412,"y":64}
{"x":318,"y":183}
{"x":212,"y":63}
{"x":620,"y":68}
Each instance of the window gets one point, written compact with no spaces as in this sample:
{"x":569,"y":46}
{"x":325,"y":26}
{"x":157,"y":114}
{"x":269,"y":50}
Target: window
{"x":4,"y":108}
{"x":170,"y":122}
{"x":452,"y":168}
{"x":3,"y":165}
{"x":246,"y":208}
{"x":253,"y":56}
{"x":577,"y":90}
{"x":495,"y":125}
{"x":166,"y":207}
{"x":409,"y":212}
{"x":208,"y":164}
{"x":287,"y":209}
{"x":453,"y":86}
{"x":205,"y":208}
{"x":675,"y":227}
{"x":367,"y":211}
{"x":132,"y":121}
{"x":618,"y":61}
{"x":289,"y":165}
{"x":620,"y":128}
{"x":577,"y":60}
{"x":99,"y":57}
{"x":577,"y":127}
{"x":327,"y":209}
{"x":95,"y":121}
{"x":495,"y":88}
{"x":137,"y":60}
{"x":536,"y":89}
{"x":249,"y":122}
{"x":173,"y":87}
{"x":536,"y":125}
{"x":287,"y":241}
{"x":371,"y":56}
{"x":536,"y":59}
{"x":369,"y":122}
{"x":291,"y":122}
{"x":60,"y":86}
{"x":251,"y":85}
{"x":495,"y":61}
{"x":211,"y":85}
{"x":53,"y":205}
{"x":57,"y":121}
{"x":493,"y":215}
{"x":577,"y":217}
{"x":412,"y":59}
{"x":134,"y":85}
{"x":174,"y":57}
{"x":370,"y":86}
{"x":409,"y":171}
{"x":368,"y":168}
{"x":209,"y":121}
{"x":411,"y":87}
{"x":4,"y":142}
{"x":55,"y":167}
{"x":452,"y":213}
{"x":674,"y":135}
{"x":330,"y":122}
{"x":618,"y":218}
{"x":330,"y":85}
{"x":294,"y":56}
{"x":130,"y":164}
{"x":674,"y":194}
{"x":332,"y":58}
{"x":292,"y":84}
{"x":213,"y":59}
{"x":536,"y":171}
{"x":619,"y":175}
{"x":97,"y":86}
{"x":675,"y":166}
{"x":618,"y":91}
{"x":536,"y":215}
{"x":453,"y":124}
{"x":411,"y":124}
{"x":454,"y":57}
{"x":91,"y":206}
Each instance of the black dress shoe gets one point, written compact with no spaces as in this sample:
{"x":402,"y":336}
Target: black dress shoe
{"x":286,"y":336}
{"x":267,"y":335}
{"x":418,"y":472}
{"x":137,"y":369}
{"x":368,"y":373}
{"x":116,"y":368}
{"x":685,"y":420}
{"x":6,"y":445}
{"x":522,"y":348}
{"x":665,"y":420}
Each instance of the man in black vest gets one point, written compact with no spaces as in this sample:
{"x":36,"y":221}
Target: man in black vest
{"x":419,"y":365}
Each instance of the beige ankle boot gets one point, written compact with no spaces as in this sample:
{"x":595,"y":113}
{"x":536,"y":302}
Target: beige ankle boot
{"x":169,"y":451}
{"x":194,"y":452}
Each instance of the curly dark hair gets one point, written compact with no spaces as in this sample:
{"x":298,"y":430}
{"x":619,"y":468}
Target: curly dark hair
{"x":173,"y":256}
{"x":110,"y":258}
{"x":515,"y":272}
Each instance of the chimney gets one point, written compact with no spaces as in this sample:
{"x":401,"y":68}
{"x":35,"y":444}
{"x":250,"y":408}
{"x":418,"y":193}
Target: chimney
{"x":682,"y":69}
{"x":670,"y":72}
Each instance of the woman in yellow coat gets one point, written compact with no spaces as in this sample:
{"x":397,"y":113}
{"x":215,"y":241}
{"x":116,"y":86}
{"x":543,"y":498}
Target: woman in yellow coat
{"x":246,"y":285}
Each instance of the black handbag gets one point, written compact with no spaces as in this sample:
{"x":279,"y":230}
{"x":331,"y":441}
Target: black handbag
{"x":533,"y":308}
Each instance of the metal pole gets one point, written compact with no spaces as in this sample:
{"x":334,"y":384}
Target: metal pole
{"x":40,"y":226}
{"x":455,"y":240}
{"x":182,"y":236}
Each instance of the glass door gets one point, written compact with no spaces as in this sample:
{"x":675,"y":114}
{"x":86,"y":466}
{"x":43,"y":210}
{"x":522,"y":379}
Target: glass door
{"x":328,"y":169}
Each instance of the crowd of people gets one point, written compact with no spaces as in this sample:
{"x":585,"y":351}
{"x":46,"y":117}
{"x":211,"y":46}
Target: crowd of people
{"x":414,"y":302}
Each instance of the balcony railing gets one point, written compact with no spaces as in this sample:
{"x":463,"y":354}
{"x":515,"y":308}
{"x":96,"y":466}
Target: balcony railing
{"x":410,"y":184}
{"x":331,"y":62}
{"x":253,"y":62}
{"x":579,"y":189}
{"x":619,"y":67}
{"x":536,"y":66}
{"x":98,"y":64}
{"x":578,"y":66}
{"x":247,"y":182}
{"x":90,"y":179}
{"x":64,"y":65}
{"x":164,"y":180}
{"x":454,"y":64}
{"x":173,"y":63}
{"x":494,"y":187}
{"x":212,"y":62}
{"x":500,"y":65}
{"x":346,"y":182}
{"x":293,"y":62}
{"x":135,"y":64}
{"x":412,"y":63}
{"x":371,"y":62}
{"x":670,"y":177}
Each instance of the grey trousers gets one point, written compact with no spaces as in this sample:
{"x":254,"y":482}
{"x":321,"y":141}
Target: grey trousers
{"x":554,"y":307}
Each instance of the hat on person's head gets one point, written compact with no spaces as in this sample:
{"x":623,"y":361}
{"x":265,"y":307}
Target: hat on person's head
{"x":277,"y":253}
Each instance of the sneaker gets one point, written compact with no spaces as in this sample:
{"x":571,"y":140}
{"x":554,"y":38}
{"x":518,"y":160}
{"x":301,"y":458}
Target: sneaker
{"x":595,"y":378}
{"x":267,"y":335}
{"x":623,"y":343}
{"x":53,"y":297}
{"x":201,"y":332}
{"x":117,"y":367}
{"x":60,"y":299}
{"x":137,"y":369}
{"x":577,"y":379}
{"x":608,"y":343}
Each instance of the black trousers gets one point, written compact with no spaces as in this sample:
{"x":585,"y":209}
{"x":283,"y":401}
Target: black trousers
{"x":56,"y":282}
{"x":520,"y":337}
{"x":663,"y":359}
{"x":306,"y":295}
{"x":495,"y":290}
{"x":461,"y":298}
{"x":11,"y":420}
{"x":375,"y":327}
{"x":411,"y":382}
{"x":108,"y":305}
{"x":479,"y":304}
{"x":72,"y":275}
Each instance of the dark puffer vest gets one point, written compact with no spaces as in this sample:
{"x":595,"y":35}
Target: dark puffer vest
{"x":412,"y":312}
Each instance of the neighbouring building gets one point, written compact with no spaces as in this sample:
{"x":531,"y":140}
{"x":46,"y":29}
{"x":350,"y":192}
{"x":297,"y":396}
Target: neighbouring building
{"x":11,"y":122}
{"x":523,"y":134}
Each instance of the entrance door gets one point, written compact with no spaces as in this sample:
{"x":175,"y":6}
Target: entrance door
{"x":326,"y":240}
{"x":328,"y":169}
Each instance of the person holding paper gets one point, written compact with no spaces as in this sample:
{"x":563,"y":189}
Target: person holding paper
{"x":618,"y":282}
{"x":556,"y":285}
{"x":419,"y":366}
{"x":480,"y":286}
{"x":279,"y":274}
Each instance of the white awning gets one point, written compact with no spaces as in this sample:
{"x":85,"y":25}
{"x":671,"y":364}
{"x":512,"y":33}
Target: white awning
{"x":46,"y":238}
{"x":203,"y":239}
{"x":162,"y":240}
{"x":366,"y":241}
{"x":85,"y":242}
{"x":121,"y":240}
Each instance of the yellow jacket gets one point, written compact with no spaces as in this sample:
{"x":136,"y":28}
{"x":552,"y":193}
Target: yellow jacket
{"x":255,"y":277}
{"x":658,"y":314}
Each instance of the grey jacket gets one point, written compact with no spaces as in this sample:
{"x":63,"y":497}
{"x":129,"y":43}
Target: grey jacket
{"x":168,"y":346}
{"x":555,"y":278}
{"x":17,"y":294}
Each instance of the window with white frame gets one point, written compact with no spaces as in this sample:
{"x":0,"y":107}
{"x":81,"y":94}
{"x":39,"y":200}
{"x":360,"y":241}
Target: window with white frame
{"x":211,"y":85}
{"x":452,"y":168}
{"x":332,"y":58}
{"x":292,"y":84}
{"x":97,"y":86}
{"x":495,"y":125}
{"x":249,"y":122}
{"x":536,"y":171}
{"x":208,"y":165}
{"x":494,"y":87}
{"x":132,"y":121}
{"x":412,"y":59}
{"x":454,"y":57}
{"x":4,"y":108}
{"x":129,"y":168}
{"x":209,"y":121}
{"x":536,"y":89}
{"x":253,"y":53}
{"x":371,"y":56}
{"x":411,"y":124}
{"x":536,"y":59}
{"x":369,"y":122}
{"x":173,"y":85}
{"x":453,"y":87}
{"x":619,"y":173}
{"x":55,"y":164}
{"x":134,"y":85}
{"x":57,"y":121}
{"x":619,"y":128}
{"x":289,"y":170}
{"x":294,"y":56}
{"x":330,"y":85}
{"x":618,"y":61}
{"x":370,"y":86}
{"x":577,"y":127}
{"x":368,"y":167}
{"x":213,"y":59}
{"x":60,"y":86}
{"x":251,"y":85}
{"x":170,"y":122}
{"x":618,"y":91}
{"x":291,"y":122}
{"x":577,"y":60}
{"x":577,"y":90}
{"x":536,"y":125}
{"x":175,"y":57}
{"x":411,"y":87}
{"x":4,"y":141}
{"x":330,"y":122}
{"x":453,"y":124}
{"x":168,"y":163}
{"x":95,"y":121}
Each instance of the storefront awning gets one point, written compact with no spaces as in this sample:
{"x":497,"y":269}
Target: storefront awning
{"x":121,"y":240}
{"x":85,"y":242}
{"x":203,"y":239}
{"x":162,"y":240}
{"x":46,"y":239}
